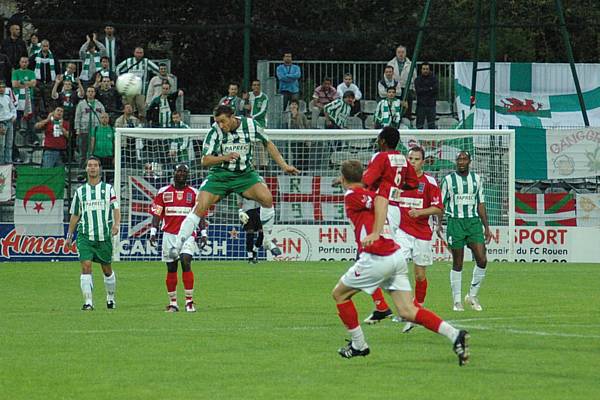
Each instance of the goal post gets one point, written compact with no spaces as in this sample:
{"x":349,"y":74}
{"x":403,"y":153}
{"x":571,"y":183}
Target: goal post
{"x":310,"y":222}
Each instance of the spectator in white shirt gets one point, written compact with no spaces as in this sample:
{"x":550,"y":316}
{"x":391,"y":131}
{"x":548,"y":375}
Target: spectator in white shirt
{"x":348,"y":85}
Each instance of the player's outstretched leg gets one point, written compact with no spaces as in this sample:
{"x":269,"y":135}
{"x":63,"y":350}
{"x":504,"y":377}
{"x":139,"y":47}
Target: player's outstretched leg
{"x":357,"y":346}
{"x":203,"y":202}
{"x":430,"y":320}
{"x":267,"y":219}
{"x":382,"y":310}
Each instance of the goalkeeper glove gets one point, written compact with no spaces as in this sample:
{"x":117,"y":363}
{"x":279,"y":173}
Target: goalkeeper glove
{"x":153,"y":236}
{"x":244,"y":217}
{"x":202,"y":239}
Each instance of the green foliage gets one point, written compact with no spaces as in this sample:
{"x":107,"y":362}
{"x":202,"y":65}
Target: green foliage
{"x":204,"y":39}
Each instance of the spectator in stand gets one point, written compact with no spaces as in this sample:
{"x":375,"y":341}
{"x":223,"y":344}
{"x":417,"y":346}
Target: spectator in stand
{"x":56,"y":133}
{"x":322,"y":96}
{"x":5,"y":70}
{"x":110,"y":99}
{"x":8,"y":115}
{"x":232,"y":100}
{"x":288,"y":75}
{"x":13,"y":46}
{"x":347,"y":86}
{"x":142,"y":67}
{"x":71,"y":73}
{"x":112,"y":46}
{"x":401,"y":65}
{"x":23,"y":83}
{"x":68,"y":98}
{"x":426,"y":86}
{"x":297,"y":119}
{"x":162,"y":107}
{"x":338,"y":111}
{"x":87,"y":117}
{"x":388,"y":110}
{"x":34,"y":45}
{"x":180,"y":149}
{"x":104,"y":71}
{"x":127,"y":120}
{"x":388,"y":81}
{"x":102,"y":143}
{"x":303,"y":152}
{"x":90,"y":53}
{"x":257,"y":104}
{"x":45,"y":66}
{"x":155,"y":85}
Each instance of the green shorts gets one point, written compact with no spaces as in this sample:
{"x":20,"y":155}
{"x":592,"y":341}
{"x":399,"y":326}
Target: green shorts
{"x":462,"y":231}
{"x":100,"y":252}
{"x":224,"y":182}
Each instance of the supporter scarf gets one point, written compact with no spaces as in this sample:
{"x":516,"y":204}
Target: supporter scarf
{"x":56,"y":127}
{"x":39,"y":60}
{"x":85,"y":74}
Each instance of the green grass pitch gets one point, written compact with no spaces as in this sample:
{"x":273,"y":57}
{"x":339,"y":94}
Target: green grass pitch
{"x":271,"y":331}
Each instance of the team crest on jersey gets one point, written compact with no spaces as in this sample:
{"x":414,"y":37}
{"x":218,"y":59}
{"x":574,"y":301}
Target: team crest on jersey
{"x":168,"y":197}
{"x":421,"y":187}
{"x":179,"y":196}
{"x":188,"y":198}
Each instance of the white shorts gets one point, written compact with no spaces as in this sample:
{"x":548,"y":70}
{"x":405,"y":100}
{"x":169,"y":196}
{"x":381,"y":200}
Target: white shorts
{"x":189,"y":246}
{"x":371,"y":271}
{"x":421,"y":251}
{"x":393,"y":218}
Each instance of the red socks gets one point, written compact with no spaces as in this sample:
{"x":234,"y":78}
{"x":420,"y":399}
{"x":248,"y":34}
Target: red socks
{"x":171,"y":281}
{"x":188,"y":280}
{"x":379,"y":300}
{"x":348,"y":314}
{"x":420,"y":291}
{"x":428,"y":319}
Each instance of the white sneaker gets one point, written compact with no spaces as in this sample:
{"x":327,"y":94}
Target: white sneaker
{"x":409,"y":327}
{"x":458,"y":307}
{"x":189,"y":306}
{"x":474,"y":302}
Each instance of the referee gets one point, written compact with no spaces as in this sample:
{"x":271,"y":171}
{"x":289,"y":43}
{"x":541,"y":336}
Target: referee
{"x":95,"y":212}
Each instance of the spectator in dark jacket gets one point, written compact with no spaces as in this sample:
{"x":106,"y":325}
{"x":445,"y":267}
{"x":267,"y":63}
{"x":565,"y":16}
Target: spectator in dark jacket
{"x":5,"y":70}
{"x":426,"y":87}
{"x":13,"y":46}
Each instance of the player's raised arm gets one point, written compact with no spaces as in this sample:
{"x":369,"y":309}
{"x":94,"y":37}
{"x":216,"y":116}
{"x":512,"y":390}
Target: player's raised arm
{"x":278,"y":158}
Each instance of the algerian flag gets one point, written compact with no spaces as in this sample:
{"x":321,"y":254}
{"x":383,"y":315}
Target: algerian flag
{"x":39,"y":201}
{"x":530,"y":94}
{"x":5,"y":182}
{"x":557,"y":153}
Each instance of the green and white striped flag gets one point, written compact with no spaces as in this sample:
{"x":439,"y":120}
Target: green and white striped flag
{"x":532,"y":95}
{"x":39,"y":201}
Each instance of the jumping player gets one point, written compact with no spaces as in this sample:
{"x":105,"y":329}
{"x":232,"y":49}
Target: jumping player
{"x":380,"y":264}
{"x":171,"y":204}
{"x":228,"y":150}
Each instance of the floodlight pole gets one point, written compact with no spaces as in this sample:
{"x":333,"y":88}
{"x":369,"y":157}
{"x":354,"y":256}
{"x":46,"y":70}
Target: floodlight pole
{"x":492,"y":64}
{"x":415,"y":56}
{"x":247,"y":26}
{"x":565,"y":36}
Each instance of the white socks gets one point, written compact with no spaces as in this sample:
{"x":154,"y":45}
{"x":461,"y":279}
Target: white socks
{"x":449,"y":331}
{"x":455,"y":284}
{"x":87,"y":286}
{"x":267,"y":218}
{"x":110,"y":283}
{"x":478,"y":275}
{"x":358,"y":338}
{"x":188,"y":226}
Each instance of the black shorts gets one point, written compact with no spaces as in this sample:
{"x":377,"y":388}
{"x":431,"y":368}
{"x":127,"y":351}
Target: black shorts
{"x":254,"y":223}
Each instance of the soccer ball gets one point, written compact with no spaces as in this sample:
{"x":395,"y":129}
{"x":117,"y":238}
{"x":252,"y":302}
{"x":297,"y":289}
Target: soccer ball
{"x":129,"y":85}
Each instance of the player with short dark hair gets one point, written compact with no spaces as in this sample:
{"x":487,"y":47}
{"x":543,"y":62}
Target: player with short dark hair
{"x":380,"y":264}
{"x":464,"y":205}
{"x":227,"y":150}
{"x":170,"y":206}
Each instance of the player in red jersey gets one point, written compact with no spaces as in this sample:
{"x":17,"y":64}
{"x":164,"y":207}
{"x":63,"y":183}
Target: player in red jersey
{"x":388,"y":173}
{"x":380,"y":264}
{"x":417,"y":206}
{"x":171,"y":205}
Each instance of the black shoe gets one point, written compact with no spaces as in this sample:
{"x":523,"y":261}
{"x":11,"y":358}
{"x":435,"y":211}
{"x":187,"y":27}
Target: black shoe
{"x":111,"y":305}
{"x":349,"y":351}
{"x":172,"y":308}
{"x":87,"y":307}
{"x":461,"y":347}
{"x":253,"y":259}
{"x":377,"y":316}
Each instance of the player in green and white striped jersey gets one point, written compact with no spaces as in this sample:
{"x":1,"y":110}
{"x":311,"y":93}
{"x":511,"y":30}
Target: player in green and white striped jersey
{"x":95,"y":213}
{"x":227,"y":150}
{"x":464,"y":205}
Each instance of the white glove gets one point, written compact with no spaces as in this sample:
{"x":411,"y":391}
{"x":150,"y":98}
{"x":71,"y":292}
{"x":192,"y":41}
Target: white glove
{"x":244,"y":218}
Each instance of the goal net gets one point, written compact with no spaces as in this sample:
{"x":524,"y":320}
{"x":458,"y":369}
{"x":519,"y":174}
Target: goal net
{"x":310,"y":222}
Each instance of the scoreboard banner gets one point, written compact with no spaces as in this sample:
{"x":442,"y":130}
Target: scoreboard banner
{"x":318,"y":243}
